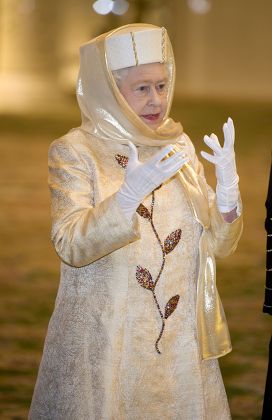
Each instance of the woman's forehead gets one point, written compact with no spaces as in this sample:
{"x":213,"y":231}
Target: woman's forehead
{"x":147,"y":72}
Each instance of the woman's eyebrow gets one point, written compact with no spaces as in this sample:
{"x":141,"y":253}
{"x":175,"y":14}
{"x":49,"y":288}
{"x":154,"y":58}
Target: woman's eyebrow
{"x":138,"y":82}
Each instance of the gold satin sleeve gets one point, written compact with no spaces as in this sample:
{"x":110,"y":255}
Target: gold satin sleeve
{"x":223,"y":236}
{"x":218,"y":239}
{"x":83,"y":231}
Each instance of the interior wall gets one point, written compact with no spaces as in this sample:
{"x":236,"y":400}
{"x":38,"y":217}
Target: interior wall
{"x":225,"y":53}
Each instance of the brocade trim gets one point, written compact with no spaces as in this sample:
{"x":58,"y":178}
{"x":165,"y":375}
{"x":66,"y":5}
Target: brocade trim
{"x":134,"y":48}
{"x":143,"y":276}
{"x":163,"y":45}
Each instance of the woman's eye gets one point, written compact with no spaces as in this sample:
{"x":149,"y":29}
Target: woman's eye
{"x":142,"y":88}
{"x":161,"y":87}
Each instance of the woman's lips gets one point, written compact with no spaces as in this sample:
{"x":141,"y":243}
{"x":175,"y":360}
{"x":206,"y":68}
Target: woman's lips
{"x":152,"y":117}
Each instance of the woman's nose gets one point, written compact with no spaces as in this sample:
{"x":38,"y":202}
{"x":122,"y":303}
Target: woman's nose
{"x":154,"y":97}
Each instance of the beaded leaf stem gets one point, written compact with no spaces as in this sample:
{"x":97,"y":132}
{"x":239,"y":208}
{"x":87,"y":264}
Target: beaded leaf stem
{"x":143,"y":276}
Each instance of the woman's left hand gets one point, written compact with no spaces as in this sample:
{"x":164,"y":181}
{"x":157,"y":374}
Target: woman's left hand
{"x":223,"y":157}
{"x":225,"y":167}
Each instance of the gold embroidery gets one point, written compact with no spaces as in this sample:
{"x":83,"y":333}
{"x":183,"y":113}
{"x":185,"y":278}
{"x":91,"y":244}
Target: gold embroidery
{"x":171,"y":241}
{"x":134,"y":48}
{"x":122,"y":160}
{"x":143,"y":276}
{"x":163,"y":45}
{"x":171,"y":306}
{"x":144,"y":212}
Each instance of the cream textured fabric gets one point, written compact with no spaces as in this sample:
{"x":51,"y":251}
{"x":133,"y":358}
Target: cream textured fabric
{"x":100,"y":359}
{"x":135,"y":48}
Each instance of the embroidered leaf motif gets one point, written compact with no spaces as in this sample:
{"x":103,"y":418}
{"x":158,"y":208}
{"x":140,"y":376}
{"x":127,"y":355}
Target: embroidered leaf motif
{"x":144,"y":278}
{"x":122,"y":160}
{"x":171,"y":306}
{"x":144,"y":212}
{"x":171,"y":241}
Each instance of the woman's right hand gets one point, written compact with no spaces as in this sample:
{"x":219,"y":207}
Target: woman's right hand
{"x":142,"y":178}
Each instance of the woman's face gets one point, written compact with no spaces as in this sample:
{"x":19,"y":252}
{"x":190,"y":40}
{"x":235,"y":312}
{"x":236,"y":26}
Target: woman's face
{"x":145,"y":89}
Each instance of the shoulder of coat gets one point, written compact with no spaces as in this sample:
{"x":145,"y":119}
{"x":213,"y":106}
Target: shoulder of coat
{"x":75,"y":140}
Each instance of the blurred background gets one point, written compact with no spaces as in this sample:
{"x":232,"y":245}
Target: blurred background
{"x":224,"y":67}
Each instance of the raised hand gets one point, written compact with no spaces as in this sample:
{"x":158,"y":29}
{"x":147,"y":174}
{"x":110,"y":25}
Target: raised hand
{"x":142,"y":178}
{"x":225,"y":167}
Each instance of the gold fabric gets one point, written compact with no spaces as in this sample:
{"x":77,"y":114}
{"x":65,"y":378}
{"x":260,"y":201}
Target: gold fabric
{"x":218,"y":239}
{"x":106,"y":115}
{"x":77,"y":234}
{"x":99,"y":360}
{"x":78,"y":228}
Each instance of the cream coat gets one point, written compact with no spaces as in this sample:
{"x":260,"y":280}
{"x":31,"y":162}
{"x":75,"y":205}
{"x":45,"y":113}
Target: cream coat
{"x":100,"y":359}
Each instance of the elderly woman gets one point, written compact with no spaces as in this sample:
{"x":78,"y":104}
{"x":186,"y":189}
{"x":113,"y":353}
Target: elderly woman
{"x":138,"y":324}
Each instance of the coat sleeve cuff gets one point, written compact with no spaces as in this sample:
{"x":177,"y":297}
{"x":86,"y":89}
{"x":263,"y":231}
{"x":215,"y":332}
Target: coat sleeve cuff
{"x":224,"y":235}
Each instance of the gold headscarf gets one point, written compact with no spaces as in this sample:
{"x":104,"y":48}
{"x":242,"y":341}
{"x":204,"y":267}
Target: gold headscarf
{"x":105,"y":112}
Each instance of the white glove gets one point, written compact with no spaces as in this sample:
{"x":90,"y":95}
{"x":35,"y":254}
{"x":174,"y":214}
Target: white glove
{"x":223,"y":158}
{"x":142,"y":178}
